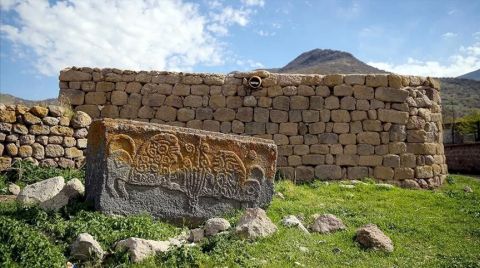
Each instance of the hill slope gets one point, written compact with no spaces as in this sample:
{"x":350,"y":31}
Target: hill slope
{"x":326,"y":61}
{"x":475,"y":75}
{"x":464,"y":93}
{"x":10,"y":99}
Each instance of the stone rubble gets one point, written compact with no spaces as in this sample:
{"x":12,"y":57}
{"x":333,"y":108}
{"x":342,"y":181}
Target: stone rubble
{"x":371,"y":237}
{"x":86,"y":248}
{"x":214,"y":226}
{"x":327,"y":223}
{"x":255,"y":223}
{"x":293,"y":221}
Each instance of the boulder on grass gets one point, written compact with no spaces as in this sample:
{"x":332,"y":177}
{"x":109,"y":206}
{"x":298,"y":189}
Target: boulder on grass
{"x":196,"y":235}
{"x":72,"y":189}
{"x":371,"y":237}
{"x":14,"y":189}
{"x":327,"y":223}
{"x":86,"y":248}
{"x":214,"y":226}
{"x":139,"y":248}
{"x":254,"y":223}
{"x":41,"y":191}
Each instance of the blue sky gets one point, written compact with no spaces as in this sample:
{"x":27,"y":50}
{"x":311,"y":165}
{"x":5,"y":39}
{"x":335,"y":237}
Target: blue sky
{"x":39,"y":38}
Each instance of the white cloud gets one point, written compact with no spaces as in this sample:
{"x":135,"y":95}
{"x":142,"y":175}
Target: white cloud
{"x":147,"y":34}
{"x":449,"y":35}
{"x":249,"y":64}
{"x":260,"y":3}
{"x":467,"y":59}
{"x":265,"y":33}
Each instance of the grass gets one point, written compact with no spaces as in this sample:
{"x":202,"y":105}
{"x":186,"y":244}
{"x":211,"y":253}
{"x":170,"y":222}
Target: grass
{"x":438,"y":228}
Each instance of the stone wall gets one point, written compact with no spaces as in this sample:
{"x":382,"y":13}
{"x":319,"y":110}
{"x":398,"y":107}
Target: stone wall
{"x":463,"y":157}
{"x":48,"y":136}
{"x":328,"y":127}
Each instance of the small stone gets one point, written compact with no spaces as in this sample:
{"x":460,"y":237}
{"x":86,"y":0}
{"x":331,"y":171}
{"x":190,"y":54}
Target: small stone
{"x":467,"y":189}
{"x":370,"y":236}
{"x":14,"y":189}
{"x":279,"y":195}
{"x":254,"y":224}
{"x":327,"y":223}
{"x":293,"y":221}
{"x":39,"y":111}
{"x":196,"y":235}
{"x":214,"y":226}
{"x":139,"y":249}
{"x":85,"y":248}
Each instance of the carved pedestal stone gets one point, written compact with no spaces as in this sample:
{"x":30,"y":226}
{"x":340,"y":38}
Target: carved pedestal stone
{"x":175,"y":173}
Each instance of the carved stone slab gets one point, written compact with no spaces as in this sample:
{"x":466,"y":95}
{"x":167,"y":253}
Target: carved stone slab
{"x":175,"y":173}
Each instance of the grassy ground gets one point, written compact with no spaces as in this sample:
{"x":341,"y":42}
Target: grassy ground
{"x":438,"y":228}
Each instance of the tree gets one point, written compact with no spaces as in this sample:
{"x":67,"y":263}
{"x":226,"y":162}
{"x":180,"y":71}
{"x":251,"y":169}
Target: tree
{"x":470,"y":124}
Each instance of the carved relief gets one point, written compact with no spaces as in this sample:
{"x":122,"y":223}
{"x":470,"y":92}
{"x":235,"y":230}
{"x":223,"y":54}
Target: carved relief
{"x":193,"y":168}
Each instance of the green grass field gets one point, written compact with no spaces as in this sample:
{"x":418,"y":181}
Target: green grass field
{"x":439,"y":228}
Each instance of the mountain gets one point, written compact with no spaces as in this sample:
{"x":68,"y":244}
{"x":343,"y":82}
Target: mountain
{"x":326,"y":61}
{"x":10,"y":99}
{"x":463,"y":94}
{"x":475,"y":75}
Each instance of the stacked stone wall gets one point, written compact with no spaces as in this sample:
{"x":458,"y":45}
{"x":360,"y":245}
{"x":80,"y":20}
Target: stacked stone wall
{"x":329,"y":127}
{"x":50,"y":136}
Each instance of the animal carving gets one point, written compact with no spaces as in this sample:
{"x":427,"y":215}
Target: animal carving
{"x":159,"y":162}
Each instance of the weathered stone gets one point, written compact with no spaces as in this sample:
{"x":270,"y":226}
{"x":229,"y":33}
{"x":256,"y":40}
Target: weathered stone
{"x":391,"y":94}
{"x":255,"y":223}
{"x":370,"y":236}
{"x":74,"y":75}
{"x":86,"y":248}
{"x":327,"y":223}
{"x":332,"y":172}
{"x":293,"y":221}
{"x":41,"y":191}
{"x":5,"y":162}
{"x":392,"y":116}
{"x":72,"y":189}
{"x":54,"y":150}
{"x":214,"y":226}
{"x":140,"y":249}
{"x":194,"y":189}
{"x":39,"y":111}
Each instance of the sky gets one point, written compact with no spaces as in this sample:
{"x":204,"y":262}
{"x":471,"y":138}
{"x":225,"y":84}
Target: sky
{"x":38,"y":38}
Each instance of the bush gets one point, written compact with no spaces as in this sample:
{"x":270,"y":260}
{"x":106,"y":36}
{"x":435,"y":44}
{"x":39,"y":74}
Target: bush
{"x":24,"y":246}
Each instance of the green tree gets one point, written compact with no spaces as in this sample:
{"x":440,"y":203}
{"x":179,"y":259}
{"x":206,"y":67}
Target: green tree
{"x":470,"y":123}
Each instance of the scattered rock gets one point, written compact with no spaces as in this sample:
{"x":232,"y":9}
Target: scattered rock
{"x":254,"y":223}
{"x":336,"y":250}
{"x":303,"y":249}
{"x":279,"y":195}
{"x":347,"y":186}
{"x":139,"y":249}
{"x":327,"y":223}
{"x":14,"y":189}
{"x":384,"y":185}
{"x":196,"y":235}
{"x":370,"y":236}
{"x":86,"y":248}
{"x":214,"y":226}
{"x":72,"y":189}
{"x":81,"y":119}
{"x":292,"y":221}
{"x":41,"y":191}
{"x":467,"y":189}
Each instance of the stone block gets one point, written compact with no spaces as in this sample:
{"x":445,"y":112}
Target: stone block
{"x":255,"y":128}
{"x":310,"y":116}
{"x":304,"y":173}
{"x":341,"y":116}
{"x":393,"y":116}
{"x":391,"y":94}
{"x":328,"y":172}
{"x":224,"y":114}
{"x":54,"y":150}
{"x":74,"y":75}
{"x":95,"y":98}
{"x":423,"y":172}
{"x":177,"y":173}
{"x":391,"y":160}
{"x":370,"y":160}
{"x":383,"y":173}
{"x":278,"y":116}
{"x":332,"y":102}
{"x":313,"y":159}
{"x":343,"y":90}
{"x":346,"y":160}
{"x":261,"y":114}
{"x":105,"y":86}
{"x":354,"y":173}
{"x":119,"y":98}
{"x":376,"y":80}
{"x":372,"y":138}
{"x":299,"y":103}
{"x":354,"y":79}
{"x":328,"y":138}
{"x":288,"y":128}
{"x":281,"y":103}
{"x":72,"y":96}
